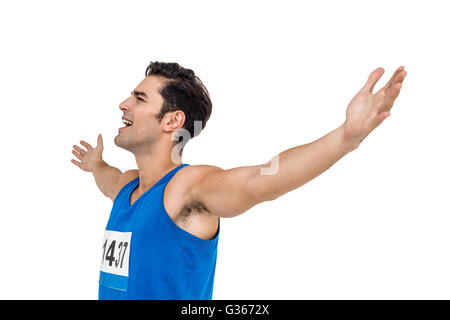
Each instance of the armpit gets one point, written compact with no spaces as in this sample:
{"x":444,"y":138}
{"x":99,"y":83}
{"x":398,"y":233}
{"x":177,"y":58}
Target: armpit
{"x":190,"y":209}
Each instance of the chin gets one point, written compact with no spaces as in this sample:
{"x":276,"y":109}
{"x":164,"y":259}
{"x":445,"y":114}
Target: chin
{"x":116,"y":138}
{"x":118,"y":142}
{"x":122,"y":143}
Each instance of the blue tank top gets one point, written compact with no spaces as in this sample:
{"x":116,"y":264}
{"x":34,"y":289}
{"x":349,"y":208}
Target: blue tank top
{"x":145,"y":255}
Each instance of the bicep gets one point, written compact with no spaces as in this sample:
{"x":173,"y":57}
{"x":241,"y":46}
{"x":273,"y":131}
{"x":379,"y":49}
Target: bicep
{"x":227,"y":193}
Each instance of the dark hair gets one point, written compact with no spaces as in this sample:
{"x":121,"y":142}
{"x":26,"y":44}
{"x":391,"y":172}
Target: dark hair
{"x":182,"y":90}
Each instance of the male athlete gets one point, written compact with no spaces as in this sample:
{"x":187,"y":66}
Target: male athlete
{"x":161,"y":237}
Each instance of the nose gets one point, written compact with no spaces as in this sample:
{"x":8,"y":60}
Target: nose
{"x":124,"y":105}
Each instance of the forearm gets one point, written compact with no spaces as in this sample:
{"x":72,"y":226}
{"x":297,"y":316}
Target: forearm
{"x":298,"y":165}
{"x":106,"y":177}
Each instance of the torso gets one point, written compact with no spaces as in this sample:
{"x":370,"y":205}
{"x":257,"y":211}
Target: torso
{"x":191,"y":216}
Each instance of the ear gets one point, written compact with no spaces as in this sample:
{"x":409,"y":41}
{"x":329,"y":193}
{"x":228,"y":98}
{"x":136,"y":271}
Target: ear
{"x":173,"y":120}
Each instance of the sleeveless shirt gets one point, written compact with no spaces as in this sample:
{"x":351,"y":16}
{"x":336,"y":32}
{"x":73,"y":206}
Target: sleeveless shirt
{"x":145,"y":255}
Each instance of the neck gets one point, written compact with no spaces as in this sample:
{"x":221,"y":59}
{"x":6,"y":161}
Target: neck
{"x":152,"y":167}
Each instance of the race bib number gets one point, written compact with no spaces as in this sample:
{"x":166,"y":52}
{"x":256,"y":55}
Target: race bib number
{"x":116,"y":253}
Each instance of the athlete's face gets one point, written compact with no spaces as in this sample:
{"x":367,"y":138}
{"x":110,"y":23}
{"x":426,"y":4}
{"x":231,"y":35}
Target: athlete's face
{"x":141,"y":108}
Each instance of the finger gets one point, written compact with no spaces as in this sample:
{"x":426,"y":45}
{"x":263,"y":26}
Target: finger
{"x":401,"y":76}
{"x":392,"y":79}
{"x":372,"y":80}
{"x":100,"y":140}
{"x":80,"y":151}
{"x":75,"y":162}
{"x":398,"y":79}
{"x":399,"y":71}
{"x":86,"y":145}
{"x":392,"y":95}
{"x":77,"y":155}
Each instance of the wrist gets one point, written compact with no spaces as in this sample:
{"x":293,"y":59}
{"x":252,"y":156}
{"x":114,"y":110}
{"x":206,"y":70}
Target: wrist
{"x":98,"y":165}
{"x":347,"y":144}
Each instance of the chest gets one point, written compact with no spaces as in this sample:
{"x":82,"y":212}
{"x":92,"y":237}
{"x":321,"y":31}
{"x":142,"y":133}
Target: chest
{"x":172,"y":200}
{"x":191,"y":217}
{"x":174,"y":195}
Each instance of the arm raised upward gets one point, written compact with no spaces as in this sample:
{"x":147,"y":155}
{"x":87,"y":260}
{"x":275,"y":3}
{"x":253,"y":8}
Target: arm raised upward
{"x":228,"y":193}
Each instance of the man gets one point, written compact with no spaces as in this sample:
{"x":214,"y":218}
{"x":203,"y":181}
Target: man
{"x":161,"y":237}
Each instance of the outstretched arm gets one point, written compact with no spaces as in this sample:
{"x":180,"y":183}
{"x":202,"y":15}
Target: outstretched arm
{"x":227,"y":193}
{"x":109,"y":179}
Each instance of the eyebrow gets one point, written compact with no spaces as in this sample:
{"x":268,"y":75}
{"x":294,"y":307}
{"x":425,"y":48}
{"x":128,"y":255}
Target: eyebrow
{"x":138,"y":93}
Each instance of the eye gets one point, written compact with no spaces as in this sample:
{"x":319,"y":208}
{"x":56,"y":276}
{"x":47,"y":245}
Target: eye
{"x":140,"y":99}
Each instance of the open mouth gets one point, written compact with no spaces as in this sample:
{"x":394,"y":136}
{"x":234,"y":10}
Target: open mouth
{"x":127,"y":124}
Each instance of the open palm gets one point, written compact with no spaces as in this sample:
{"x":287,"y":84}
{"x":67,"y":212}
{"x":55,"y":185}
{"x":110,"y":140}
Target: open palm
{"x":366,"y":110}
{"x":89,"y":158}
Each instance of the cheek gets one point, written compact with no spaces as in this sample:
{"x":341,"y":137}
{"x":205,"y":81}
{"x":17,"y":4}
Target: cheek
{"x":147,"y":127}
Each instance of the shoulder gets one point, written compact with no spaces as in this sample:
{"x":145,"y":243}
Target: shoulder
{"x":188,"y":176}
{"x":185,"y":210}
{"x":202,"y":168}
{"x":192,"y":174}
{"x":122,"y":181}
{"x":127,"y":177}
{"x":184,"y":183}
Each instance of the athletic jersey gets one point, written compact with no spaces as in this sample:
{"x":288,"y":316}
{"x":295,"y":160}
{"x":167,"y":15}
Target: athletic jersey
{"x":145,"y":255}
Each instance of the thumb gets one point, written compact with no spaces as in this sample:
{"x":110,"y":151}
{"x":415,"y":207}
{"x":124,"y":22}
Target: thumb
{"x":379,"y":119}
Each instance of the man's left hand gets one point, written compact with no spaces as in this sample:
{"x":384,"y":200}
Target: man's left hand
{"x":366,"y":110}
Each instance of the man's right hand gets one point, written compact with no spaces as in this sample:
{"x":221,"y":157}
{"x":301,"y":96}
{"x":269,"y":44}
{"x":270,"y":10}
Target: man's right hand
{"x":91,"y":158}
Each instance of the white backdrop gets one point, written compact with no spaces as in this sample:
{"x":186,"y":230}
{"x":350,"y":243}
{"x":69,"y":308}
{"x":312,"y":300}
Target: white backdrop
{"x":280,"y":74}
